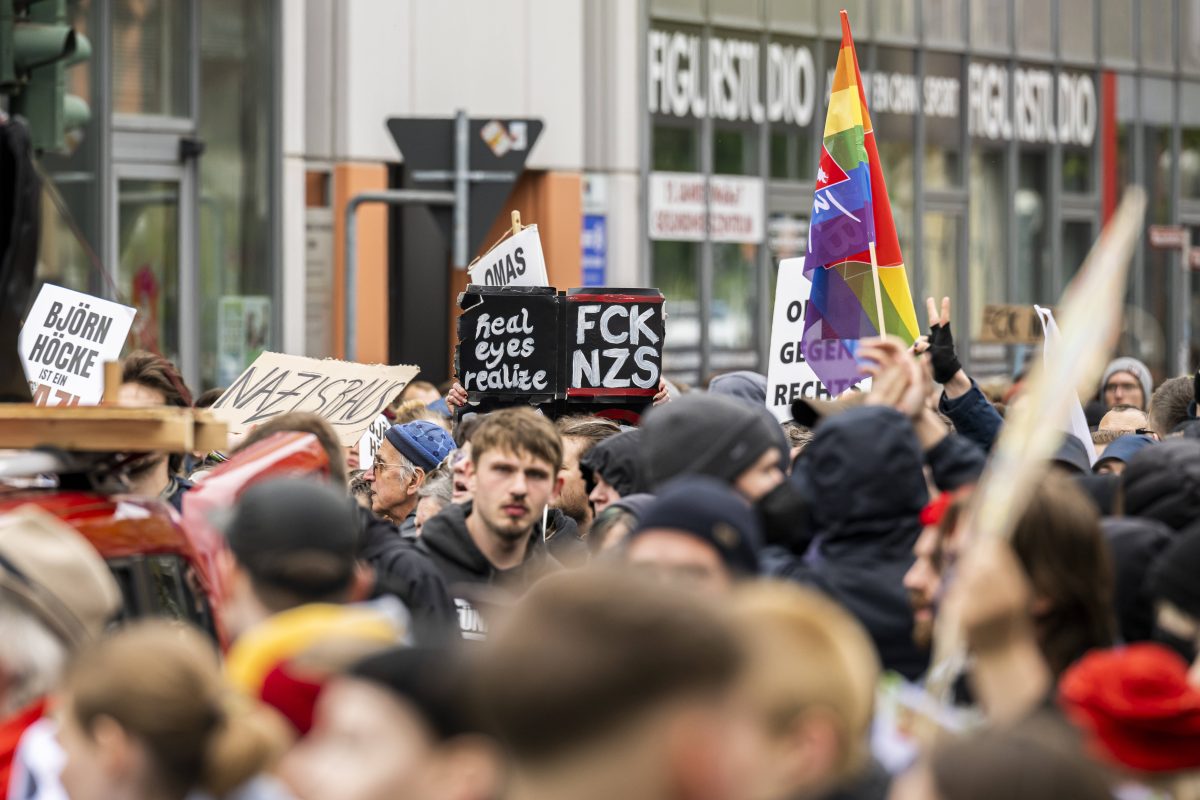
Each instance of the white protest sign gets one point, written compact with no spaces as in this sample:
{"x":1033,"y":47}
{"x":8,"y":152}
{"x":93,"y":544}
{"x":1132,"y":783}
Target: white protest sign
{"x":370,"y":441}
{"x":65,"y":341}
{"x":517,"y":261}
{"x":789,"y":377}
{"x":348,"y":396}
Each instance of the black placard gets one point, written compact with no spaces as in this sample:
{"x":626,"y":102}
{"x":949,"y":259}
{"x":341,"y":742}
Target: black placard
{"x":614,"y":343}
{"x":508,"y":343}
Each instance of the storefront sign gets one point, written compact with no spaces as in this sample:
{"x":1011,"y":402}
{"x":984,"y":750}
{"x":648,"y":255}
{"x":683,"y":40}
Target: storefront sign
{"x":516,"y":261}
{"x":349,"y":396}
{"x":677,"y":203}
{"x":728,"y":86}
{"x":1044,"y":111}
{"x":65,"y":341}
{"x":719,"y":77}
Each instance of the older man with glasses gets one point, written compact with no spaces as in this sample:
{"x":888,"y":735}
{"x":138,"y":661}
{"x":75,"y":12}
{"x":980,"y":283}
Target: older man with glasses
{"x":407,"y":454}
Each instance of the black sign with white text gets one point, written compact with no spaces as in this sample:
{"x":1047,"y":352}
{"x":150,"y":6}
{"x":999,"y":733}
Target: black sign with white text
{"x":614,"y":343}
{"x":508,"y":342}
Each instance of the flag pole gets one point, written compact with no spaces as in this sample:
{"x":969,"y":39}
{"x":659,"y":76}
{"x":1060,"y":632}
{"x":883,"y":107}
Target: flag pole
{"x":878,"y":293}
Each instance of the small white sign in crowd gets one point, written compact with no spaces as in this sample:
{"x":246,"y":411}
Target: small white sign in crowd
{"x":66,"y":338}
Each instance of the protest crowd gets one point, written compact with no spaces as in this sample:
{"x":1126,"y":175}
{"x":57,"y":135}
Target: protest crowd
{"x":707,"y":605}
{"x":566,"y":577}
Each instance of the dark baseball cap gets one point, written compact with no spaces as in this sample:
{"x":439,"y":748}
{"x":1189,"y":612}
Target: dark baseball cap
{"x":295,"y":534}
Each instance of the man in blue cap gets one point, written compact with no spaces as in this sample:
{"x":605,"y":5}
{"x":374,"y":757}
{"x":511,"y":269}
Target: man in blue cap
{"x":407,"y":454}
{"x":1118,"y":454}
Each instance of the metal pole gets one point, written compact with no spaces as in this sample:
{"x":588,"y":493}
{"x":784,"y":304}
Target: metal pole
{"x":461,"y":187}
{"x":393,"y":197}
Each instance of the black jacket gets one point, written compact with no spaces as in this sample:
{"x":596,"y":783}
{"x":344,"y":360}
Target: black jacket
{"x":405,"y":572}
{"x":863,"y":473}
{"x":474,"y":583}
{"x":562,"y":537}
{"x":1134,"y":545}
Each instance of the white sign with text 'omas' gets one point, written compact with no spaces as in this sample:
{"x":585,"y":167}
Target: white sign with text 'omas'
{"x":517,"y":261}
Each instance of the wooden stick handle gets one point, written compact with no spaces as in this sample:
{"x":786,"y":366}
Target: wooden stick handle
{"x":516,"y":222}
{"x":112,"y":382}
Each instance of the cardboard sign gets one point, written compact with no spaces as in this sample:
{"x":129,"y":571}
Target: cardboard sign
{"x":65,"y":341}
{"x":348,"y":396}
{"x":370,"y":441}
{"x":789,"y":377}
{"x":508,"y":342}
{"x":1010,"y":324}
{"x":517,"y":261}
{"x":614,"y":343}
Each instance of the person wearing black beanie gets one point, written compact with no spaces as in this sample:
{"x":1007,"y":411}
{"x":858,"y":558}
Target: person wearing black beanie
{"x":698,"y":531}
{"x":717,"y":436}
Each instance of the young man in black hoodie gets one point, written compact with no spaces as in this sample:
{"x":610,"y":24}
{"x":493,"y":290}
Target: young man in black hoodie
{"x":491,"y":549}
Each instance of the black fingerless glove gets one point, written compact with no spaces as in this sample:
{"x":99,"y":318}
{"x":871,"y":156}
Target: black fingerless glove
{"x":942,"y":356}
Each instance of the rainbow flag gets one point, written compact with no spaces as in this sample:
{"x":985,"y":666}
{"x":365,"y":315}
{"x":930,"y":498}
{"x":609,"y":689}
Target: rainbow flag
{"x":851,"y":216}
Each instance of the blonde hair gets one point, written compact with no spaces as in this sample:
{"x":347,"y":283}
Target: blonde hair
{"x":518,"y":430}
{"x":809,"y":654}
{"x":162,"y":684}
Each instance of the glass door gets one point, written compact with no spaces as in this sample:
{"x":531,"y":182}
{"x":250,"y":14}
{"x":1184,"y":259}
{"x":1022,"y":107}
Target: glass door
{"x":155,"y":149}
{"x":154,"y":270}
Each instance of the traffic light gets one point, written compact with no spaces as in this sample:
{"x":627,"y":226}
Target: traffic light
{"x":36,"y":47}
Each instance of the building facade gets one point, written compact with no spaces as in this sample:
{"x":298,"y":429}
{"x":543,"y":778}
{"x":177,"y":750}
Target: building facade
{"x":681,"y":140}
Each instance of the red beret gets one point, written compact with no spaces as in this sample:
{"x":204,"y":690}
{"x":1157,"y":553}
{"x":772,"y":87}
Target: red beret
{"x":1136,"y":707}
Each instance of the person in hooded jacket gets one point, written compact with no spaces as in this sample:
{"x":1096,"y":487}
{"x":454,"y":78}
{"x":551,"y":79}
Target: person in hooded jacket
{"x":1134,"y":544}
{"x":863,"y":476}
{"x":864,"y":471}
{"x":1162,"y":482}
{"x":493,"y":548}
{"x":613,"y":469}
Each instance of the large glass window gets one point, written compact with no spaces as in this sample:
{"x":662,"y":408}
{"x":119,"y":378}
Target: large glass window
{"x":148,"y":243}
{"x":792,"y":78}
{"x":942,"y":21}
{"x":1035,"y":281}
{"x":941,"y":256}
{"x":1033,"y":27}
{"x":150,"y":65}
{"x":735,"y":150}
{"x":1077,"y":29}
{"x":1158,"y":278}
{"x":64,"y":259}
{"x":894,"y":19}
{"x":1189,"y":39}
{"x":735,"y":267}
{"x":236,"y":174}
{"x":1077,"y":238}
{"x":676,"y":147}
{"x":676,"y":271}
{"x":1158,"y":33}
{"x":1116,"y":31}
{"x":1189,"y":158}
{"x":988,"y":227}
{"x":893,"y":99}
{"x":942,"y":102}
{"x":990,"y":24}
